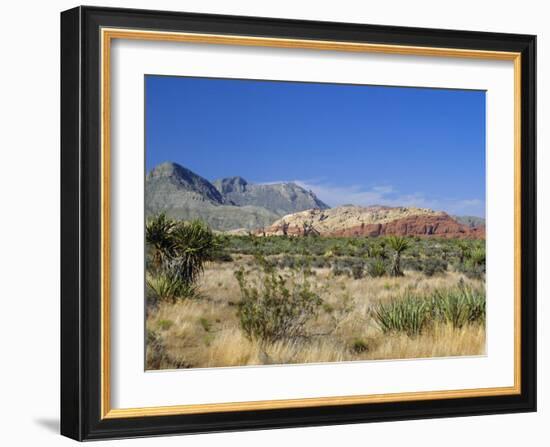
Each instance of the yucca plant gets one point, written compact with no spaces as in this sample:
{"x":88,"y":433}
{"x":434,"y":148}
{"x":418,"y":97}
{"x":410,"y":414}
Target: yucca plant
{"x":158,"y":235}
{"x":450,"y":308}
{"x":194,"y":244}
{"x":166,"y":287}
{"x":376,"y":268}
{"x":463,"y":250}
{"x":398,"y":244}
{"x":409,"y":315}
{"x":376,"y":250}
{"x":477,"y":256}
{"x":459,"y":306}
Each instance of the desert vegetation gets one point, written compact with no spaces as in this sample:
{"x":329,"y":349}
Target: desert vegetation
{"x":215,"y":299}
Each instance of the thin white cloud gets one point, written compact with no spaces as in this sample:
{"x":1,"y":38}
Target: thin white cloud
{"x":389,"y":196}
{"x":334,"y":195}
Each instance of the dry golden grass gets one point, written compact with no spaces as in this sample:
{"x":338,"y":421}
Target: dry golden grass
{"x":204,"y":332}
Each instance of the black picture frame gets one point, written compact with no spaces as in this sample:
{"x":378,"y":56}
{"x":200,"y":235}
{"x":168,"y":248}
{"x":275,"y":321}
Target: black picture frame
{"x":81,"y":224}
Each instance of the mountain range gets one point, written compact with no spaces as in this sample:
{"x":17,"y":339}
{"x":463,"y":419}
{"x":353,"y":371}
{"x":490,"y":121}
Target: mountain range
{"x":225,"y":204}
{"x":236,"y":205}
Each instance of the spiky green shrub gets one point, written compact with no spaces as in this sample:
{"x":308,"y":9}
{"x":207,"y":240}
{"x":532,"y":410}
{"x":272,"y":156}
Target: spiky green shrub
{"x":179,"y":251}
{"x":398,"y":244}
{"x":376,"y":268}
{"x":413,"y":313}
{"x":376,"y":250}
{"x":167,"y":287}
{"x":463,"y":248}
{"x":409,"y":315}
{"x":477,"y":256}
{"x":459,"y":306}
{"x":194,"y":244}
{"x":275,"y":308}
{"x":158,"y":235}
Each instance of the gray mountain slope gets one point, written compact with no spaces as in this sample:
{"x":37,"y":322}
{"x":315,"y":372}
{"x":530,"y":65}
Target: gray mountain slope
{"x":280,"y":198}
{"x":183,"y":194}
{"x":171,"y":182}
{"x":470,"y":221}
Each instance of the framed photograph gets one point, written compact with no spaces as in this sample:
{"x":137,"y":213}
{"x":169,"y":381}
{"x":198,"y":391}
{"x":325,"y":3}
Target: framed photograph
{"x":277,"y":223}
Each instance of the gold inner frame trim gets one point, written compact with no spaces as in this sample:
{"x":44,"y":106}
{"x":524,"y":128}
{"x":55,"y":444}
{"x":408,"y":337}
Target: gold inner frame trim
{"x":107,"y":35}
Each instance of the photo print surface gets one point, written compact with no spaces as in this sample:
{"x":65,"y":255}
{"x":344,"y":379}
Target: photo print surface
{"x":294,"y":222}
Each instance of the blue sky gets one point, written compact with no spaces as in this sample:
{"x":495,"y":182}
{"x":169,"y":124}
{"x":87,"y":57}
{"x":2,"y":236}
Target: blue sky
{"x":348,"y":143}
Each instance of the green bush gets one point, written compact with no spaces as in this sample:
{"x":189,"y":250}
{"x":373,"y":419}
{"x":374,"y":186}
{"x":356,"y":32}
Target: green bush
{"x":358,"y":346}
{"x":167,"y":287}
{"x":158,"y":235}
{"x":412,"y":313}
{"x":459,"y":306}
{"x":165,"y":324}
{"x":205,"y":324}
{"x":275,"y":308}
{"x":194,"y":244}
{"x":432,"y":266}
{"x":357,"y":271}
{"x":350,"y":266}
{"x":409,"y":315}
{"x":319,"y":262}
{"x":178,"y":251}
{"x":398,"y":245}
{"x":376,"y":268}
{"x":471,"y":270}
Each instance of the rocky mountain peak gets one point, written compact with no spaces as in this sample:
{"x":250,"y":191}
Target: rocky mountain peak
{"x":184,"y":179}
{"x":280,"y":198}
{"x":231,"y":184}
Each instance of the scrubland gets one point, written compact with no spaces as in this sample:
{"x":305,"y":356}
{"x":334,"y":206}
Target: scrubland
{"x":219,"y":301}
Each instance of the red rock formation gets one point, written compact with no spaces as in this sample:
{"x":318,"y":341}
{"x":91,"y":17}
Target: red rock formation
{"x":442,"y":226}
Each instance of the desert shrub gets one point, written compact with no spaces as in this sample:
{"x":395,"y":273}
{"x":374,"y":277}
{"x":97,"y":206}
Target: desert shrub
{"x":412,"y":264}
{"x":462,"y":249}
{"x":319,"y":262}
{"x":274,"y":308}
{"x":205,"y":324}
{"x":179,"y":251}
{"x":359,"y":345}
{"x":221,"y":256}
{"x":398,"y":244}
{"x":459,"y":306}
{"x":477,"y":256}
{"x":409,"y":315}
{"x":158,"y":235}
{"x":156,"y":351}
{"x":412,"y":313}
{"x":165,"y":324}
{"x":376,"y":268}
{"x":376,"y":250}
{"x":353,"y":267}
{"x":471,"y":270}
{"x":157,"y":356}
{"x":168,"y":287}
{"x":357,"y":271}
{"x":432,"y":266}
{"x":194,"y":244}
{"x":294,"y":262}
